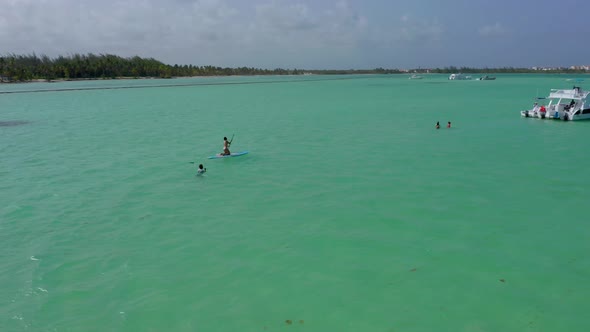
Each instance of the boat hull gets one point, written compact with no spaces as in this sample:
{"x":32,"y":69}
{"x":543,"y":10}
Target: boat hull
{"x":533,"y":114}
{"x":576,"y":117}
{"x":565,"y":116}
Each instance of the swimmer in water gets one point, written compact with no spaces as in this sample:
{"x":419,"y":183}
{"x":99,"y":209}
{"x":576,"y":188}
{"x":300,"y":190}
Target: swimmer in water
{"x":449,"y":124}
{"x":437,"y":125}
{"x":201,"y":170}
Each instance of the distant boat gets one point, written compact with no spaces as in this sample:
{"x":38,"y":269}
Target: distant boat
{"x":486,"y":78}
{"x":575,"y":80}
{"x":415,"y":77}
{"x":459,"y":77}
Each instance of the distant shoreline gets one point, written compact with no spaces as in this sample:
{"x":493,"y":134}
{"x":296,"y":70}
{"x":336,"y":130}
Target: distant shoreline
{"x":61,"y":80}
{"x":31,"y":68}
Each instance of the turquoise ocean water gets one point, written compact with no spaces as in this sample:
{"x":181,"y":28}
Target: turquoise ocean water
{"x":351,"y":212}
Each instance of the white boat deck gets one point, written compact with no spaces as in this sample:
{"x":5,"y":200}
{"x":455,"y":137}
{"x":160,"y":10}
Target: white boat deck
{"x":567,"y":94}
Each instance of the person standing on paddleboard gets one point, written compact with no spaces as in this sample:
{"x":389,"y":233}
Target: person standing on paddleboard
{"x":226,"y":145}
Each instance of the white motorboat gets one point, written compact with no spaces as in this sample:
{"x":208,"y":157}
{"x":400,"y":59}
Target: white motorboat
{"x":415,"y":77}
{"x":459,"y":77}
{"x":486,"y":78}
{"x":558,"y":107}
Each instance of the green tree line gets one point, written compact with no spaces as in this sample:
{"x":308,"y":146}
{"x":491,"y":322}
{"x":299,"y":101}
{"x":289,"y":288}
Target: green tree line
{"x":91,"y":66}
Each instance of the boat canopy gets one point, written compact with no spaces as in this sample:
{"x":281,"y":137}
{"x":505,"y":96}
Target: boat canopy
{"x":567,"y":94}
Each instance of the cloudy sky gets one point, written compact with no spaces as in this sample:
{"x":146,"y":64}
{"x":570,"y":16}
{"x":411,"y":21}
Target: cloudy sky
{"x":308,"y":34}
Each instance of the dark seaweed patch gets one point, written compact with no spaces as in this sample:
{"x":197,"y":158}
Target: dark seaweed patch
{"x":13,"y":123}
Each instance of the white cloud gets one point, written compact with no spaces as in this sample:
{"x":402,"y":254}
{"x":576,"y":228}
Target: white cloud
{"x":283,"y":24}
{"x":216,"y":32}
{"x":409,"y":33}
{"x":423,"y":30}
{"x":492,"y":30}
{"x":270,"y":33}
{"x":298,"y":34}
{"x":285,"y":18}
{"x":116,"y":26}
